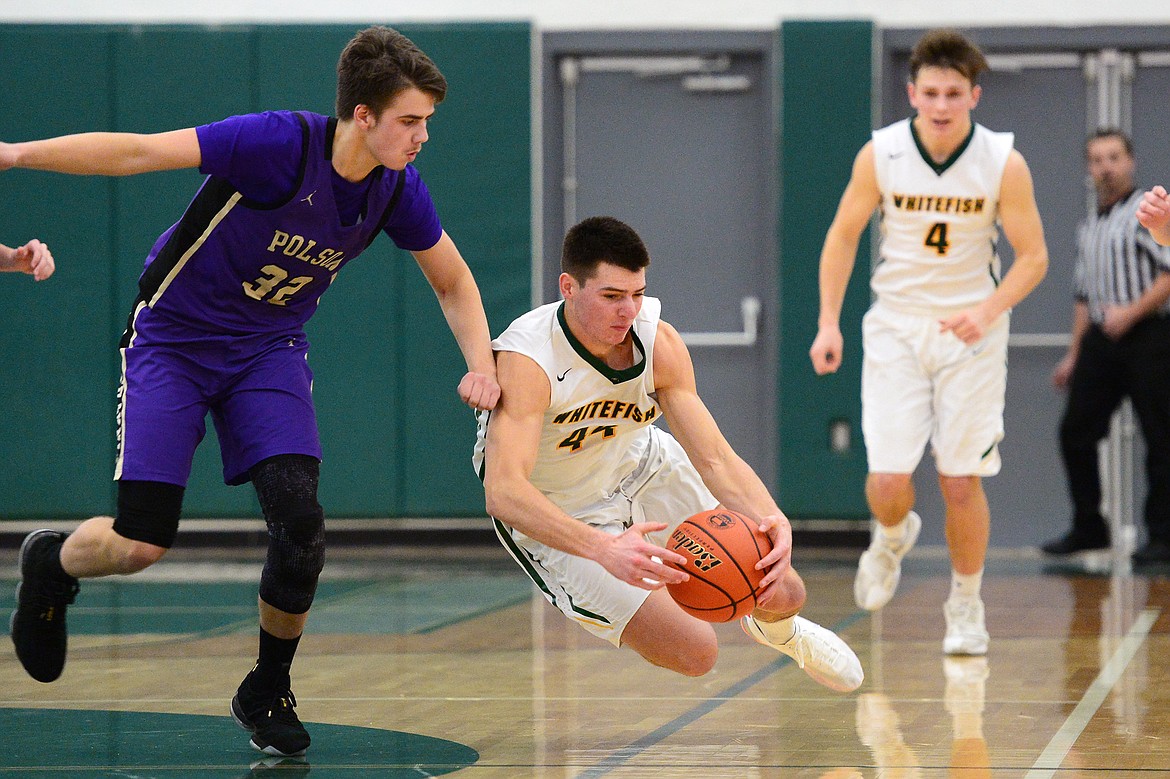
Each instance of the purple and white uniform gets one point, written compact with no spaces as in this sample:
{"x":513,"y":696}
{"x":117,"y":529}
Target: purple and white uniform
{"x":219,"y":321}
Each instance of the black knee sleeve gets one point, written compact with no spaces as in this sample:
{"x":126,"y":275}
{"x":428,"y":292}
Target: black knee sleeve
{"x":287,"y":488}
{"x":148,"y":511}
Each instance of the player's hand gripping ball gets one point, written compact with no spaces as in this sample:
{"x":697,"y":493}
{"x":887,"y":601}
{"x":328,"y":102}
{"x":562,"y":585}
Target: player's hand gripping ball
{"x":722,"y":548}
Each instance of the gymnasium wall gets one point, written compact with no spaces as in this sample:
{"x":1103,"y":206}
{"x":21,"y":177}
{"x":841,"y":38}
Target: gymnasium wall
{"x":600,"y":14}
{"x":397,"y":440}
{"x":823,"y":66}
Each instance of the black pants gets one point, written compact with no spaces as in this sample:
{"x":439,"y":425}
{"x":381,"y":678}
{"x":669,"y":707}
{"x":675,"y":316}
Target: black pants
{"x":1136,"y":366}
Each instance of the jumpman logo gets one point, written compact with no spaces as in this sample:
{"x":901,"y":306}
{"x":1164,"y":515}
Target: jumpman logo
{"x":309,"y":199}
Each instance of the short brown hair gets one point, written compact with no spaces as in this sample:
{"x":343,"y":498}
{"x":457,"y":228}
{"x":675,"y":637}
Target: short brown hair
{"x":377,"y":65}
{"x":1110,"y":132}
{"x":947,"y":48}
{"x":600,"y":239}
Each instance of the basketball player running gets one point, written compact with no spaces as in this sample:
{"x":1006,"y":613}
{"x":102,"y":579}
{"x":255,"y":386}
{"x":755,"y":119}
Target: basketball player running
{"x":935,"y":339}
{"x":218,"y":326}
{"x":33,"y":258}
{"x":585,"y":490}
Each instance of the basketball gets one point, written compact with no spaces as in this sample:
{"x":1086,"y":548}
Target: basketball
{"x":722,"y":548}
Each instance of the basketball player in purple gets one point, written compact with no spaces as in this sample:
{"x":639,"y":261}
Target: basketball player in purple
{"x":289,"y":199}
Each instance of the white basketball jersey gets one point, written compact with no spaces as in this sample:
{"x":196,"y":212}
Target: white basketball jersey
{"x":594,"y":430}
{"x":939,"y":222}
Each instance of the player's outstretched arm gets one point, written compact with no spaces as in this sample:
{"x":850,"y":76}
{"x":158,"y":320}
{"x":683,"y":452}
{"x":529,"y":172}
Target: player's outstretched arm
{"x":462,"y":306}
{"x":513,"y":440}
{"x":33,"y":258}
{"x":105,"y":154}
{"x":731,"y":480}
{"x":838,"y":255}
{"x":1154,"y":214}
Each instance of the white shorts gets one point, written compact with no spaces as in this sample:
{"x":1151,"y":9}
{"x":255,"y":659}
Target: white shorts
{"x":918,"y":384}
{"x":665,"y":487}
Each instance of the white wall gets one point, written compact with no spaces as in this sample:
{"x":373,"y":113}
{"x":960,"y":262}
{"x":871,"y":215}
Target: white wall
{"x":600,"y":14}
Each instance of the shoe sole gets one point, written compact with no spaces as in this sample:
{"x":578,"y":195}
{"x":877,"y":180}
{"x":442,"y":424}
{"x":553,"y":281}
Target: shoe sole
{"x":966,"y":650}
{"x":239,"y":719}
{"x":965,"y":646}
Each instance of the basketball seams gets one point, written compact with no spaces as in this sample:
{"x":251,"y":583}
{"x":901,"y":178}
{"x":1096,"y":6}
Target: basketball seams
{"x":729,"y":555}
{"x":710,"y":535}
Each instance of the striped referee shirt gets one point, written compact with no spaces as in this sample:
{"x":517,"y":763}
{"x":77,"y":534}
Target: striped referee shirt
{"x":1117,"y":258}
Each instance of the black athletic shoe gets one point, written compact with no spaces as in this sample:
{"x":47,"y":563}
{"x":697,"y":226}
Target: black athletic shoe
{"x":1073,"y":542}
{"x":276,"y":730}
{"x":1155,"y":551}
{"x":38,"y":622}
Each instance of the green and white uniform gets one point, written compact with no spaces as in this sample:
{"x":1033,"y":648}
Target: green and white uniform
{"x":600,"y":459}
{"x":939,"y":228}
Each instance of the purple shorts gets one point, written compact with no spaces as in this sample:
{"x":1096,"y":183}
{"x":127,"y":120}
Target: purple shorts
{"x":258,"y":389}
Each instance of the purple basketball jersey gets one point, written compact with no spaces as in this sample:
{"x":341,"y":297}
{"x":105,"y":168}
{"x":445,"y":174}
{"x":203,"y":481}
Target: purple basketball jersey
{"x":232,"y":265}
{"x":218,"y":324}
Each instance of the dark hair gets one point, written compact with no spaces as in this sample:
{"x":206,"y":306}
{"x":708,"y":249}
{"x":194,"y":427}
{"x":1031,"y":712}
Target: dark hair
{"x":1111,"y":132}
{"x":947,"y":48}
{"x":600,"y":239}
{"x":377,"y":65}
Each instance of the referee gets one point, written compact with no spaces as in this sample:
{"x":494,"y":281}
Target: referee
{"x":1120,"y":348}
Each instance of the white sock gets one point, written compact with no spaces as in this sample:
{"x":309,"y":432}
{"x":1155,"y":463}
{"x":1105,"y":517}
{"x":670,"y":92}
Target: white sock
{"x":893,"y":534}
{"x":966,"y":585}
{"x":779,"y":631}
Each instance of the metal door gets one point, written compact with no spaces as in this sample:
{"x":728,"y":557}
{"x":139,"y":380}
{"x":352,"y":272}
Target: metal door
{"x":681,"y":146}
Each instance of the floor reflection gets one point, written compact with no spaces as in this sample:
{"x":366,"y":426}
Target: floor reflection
{"x":880,"y":728}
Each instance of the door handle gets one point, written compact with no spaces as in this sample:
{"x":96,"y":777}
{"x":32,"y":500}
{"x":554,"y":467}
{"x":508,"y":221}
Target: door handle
{"x":750,"y":307}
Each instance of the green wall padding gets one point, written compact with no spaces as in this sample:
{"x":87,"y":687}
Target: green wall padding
{"x":56,"y":357}
{"x":397,"y":441}
{"x":826,"y":99}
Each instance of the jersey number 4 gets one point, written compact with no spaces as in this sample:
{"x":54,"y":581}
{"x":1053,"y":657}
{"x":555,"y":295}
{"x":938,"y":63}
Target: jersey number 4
{"x":267,"y":285}
{"x":936,"y":238}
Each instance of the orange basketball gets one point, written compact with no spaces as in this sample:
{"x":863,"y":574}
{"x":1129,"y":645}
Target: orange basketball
{"x":722,"y":548}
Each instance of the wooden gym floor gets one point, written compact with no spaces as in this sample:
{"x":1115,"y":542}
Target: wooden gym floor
{"x":417,"y":665}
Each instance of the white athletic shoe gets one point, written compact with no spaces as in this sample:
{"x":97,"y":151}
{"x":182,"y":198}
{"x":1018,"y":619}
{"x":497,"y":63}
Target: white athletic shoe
{"x":880,"y":566}
{"x":966,"y":684}
{"x":966,"y":631}
{"x":820,"y":652}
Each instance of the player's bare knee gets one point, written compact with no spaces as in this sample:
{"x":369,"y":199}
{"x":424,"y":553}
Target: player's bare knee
{"x":688,"y":659}
{"x":890,"y":495}
{"x":960,"y":490}
{"x":701,"y":660}
{"x":135,"y":556}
